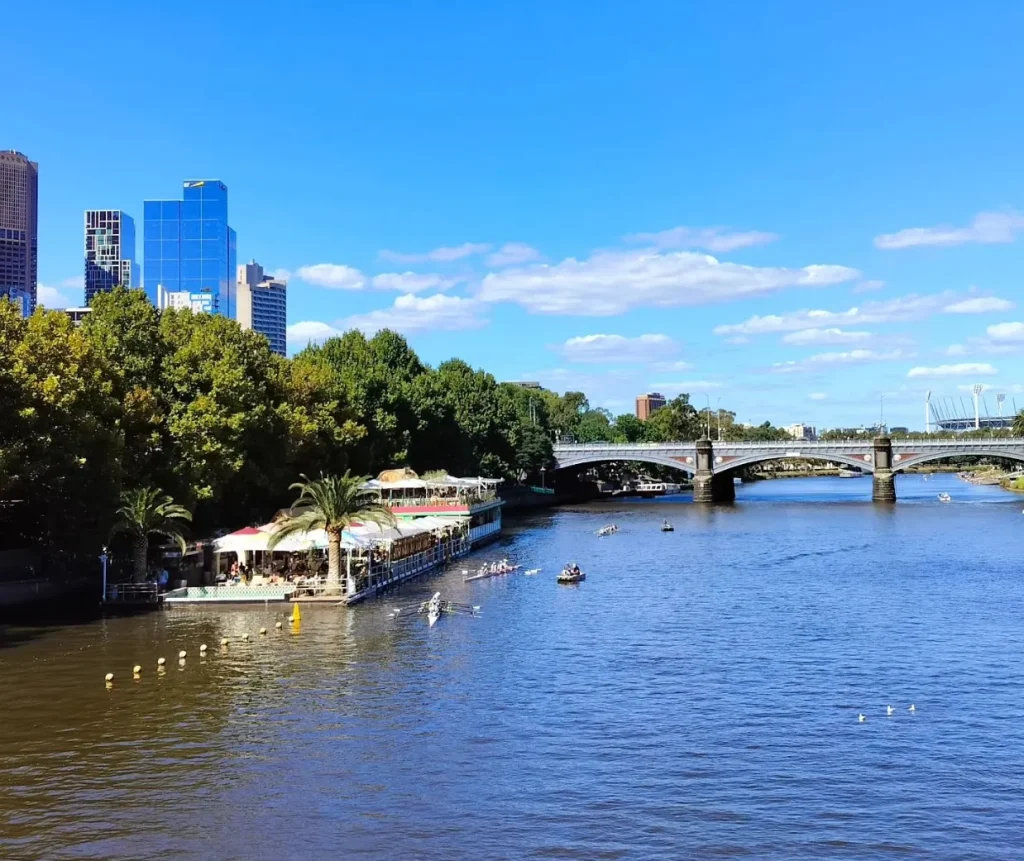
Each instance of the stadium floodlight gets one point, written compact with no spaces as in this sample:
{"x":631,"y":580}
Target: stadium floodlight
{"x":977,"y":389}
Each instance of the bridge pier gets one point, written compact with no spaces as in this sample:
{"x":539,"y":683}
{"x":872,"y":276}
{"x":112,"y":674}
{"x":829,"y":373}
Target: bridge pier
{"x":883,"y":480}
{"x":708,"y":488}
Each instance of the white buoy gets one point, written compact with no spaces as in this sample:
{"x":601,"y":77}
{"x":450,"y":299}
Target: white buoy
{"x":245,"y":636}
{"x":889,"y":710}
{"x":183,"y":654}
{"x":136,"y":669}
{"x":224,"y":641}
{"x":861,"y":718}
{"x":263,"y":630}
{"x":279,"y":625}
{"x":109,"y":677}
{"x":161,"y":661}
{"x":912,"y":709}
{"x":202,"y":647}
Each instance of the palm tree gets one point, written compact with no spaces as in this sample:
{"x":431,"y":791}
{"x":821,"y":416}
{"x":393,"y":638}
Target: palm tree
{"x":149,"y":511}
{"x":331,"y":503}
{"x":1018,"y":424}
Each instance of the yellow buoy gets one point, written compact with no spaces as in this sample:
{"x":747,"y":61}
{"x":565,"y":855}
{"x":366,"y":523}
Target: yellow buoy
{"x":278,"y":625}
{"x":183,"y":654}
{"x":136,"y":669}
{"x":224,"y":641}
{"x":161,"y":661}
{"x":296,"y":615}
{"x":109,"y":677}
{"x":263,"y":630}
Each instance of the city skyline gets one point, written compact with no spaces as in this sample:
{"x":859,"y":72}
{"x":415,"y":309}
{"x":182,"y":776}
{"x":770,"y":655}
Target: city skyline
{"x":799,"y":245}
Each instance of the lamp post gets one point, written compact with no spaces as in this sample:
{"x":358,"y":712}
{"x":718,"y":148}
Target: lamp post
{"x":709,"y":415}
{"x":718,"y":409}
{"x":543,"y":471}
{"x":104,"y":558}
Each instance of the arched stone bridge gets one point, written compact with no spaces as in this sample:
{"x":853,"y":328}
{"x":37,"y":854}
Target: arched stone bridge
{"x":709,"y":462}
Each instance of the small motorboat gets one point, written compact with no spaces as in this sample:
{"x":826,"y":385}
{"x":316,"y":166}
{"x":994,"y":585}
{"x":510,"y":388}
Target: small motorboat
{"x":607,"y":530}
{"x":570,"y":577}
{"x":667,"y":527}
{"x":944,"y":497}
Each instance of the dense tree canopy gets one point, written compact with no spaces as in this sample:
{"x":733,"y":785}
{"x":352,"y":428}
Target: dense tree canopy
{"x":191,"y":403}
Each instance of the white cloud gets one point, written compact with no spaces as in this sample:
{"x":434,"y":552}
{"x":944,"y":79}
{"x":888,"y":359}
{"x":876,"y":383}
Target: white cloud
{"x":310,"y":331}
{"x":53,"y":297}
{"x":686,"y":386}
{"x":898,"y":310}
{"x":617,"y":348}
{"x":986,"y":228}
{"x":671,"y":367}
{"x":613,"y":282}
{"x":817,"y":396}
{"x":513,"y":254}
{"x":956,"y":350}
{"x":438,"y":255}
{"x":412,"y":282}
{"x":978,"y":305}
{"x":868,"y":286}
{"x":719,"y":240}
{"x":825,"y":337}
{"x":75,"y":281}
{"x":281,"y":274}
{"x":1006,"y":332}
{"x":411,"y":313}
{"x":334,"y":275}
{"x":851,"y":357}
{"x":966,"y":369}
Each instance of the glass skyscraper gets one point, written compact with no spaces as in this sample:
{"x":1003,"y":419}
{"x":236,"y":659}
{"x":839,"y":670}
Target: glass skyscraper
{"x":109,"y":252}
{"x":189,"y":250}
{"x":19,"y":229}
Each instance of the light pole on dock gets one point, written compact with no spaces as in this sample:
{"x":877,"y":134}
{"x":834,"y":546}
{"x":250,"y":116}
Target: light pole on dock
{"x":103,"y":560}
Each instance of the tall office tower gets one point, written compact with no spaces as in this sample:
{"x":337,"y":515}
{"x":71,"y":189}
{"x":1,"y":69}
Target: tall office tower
{"x":648,"y":404}
{"x":19,"y":229}
{"x":109,"y":252}
{"x":263,"y":305}
{"x":189,"y":250}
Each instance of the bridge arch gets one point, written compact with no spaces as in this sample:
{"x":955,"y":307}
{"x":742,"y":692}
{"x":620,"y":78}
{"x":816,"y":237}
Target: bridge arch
{"x":763,"y":457}
{"x":998,"y":453}
{"x":642,"y":457}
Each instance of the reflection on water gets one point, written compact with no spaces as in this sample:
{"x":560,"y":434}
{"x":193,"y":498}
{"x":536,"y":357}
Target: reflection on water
{"x":697,"y":696}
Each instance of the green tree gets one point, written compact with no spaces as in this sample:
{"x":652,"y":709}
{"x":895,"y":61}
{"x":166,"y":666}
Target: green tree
{"x":628,"y":428}
{"x":565,"y":412}
{"x":147,"y":511}
{"x":331,"y":503}
{"x":594,"y":426}
{"x":677,"y":421}
{"x":1018,"y":424}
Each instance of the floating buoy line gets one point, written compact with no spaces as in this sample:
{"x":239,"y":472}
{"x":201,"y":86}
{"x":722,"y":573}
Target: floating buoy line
{"x":161,"y":662}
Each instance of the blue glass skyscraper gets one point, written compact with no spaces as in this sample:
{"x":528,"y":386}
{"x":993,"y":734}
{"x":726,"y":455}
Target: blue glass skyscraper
{"x":189,"y":250}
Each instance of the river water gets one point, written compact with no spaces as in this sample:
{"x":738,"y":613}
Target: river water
{"x":696,"y":697}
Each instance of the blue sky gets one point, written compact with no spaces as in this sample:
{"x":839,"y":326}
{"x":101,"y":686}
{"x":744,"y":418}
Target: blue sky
{"x":792,"y":209}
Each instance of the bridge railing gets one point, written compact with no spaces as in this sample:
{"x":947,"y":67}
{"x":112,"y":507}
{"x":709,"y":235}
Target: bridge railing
{"x":795,"y":444}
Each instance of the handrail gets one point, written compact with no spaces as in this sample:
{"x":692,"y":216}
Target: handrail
{"x":1001,"y":442}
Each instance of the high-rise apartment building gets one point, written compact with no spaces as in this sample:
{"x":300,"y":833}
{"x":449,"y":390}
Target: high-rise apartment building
{"x":19,"y":229}
{"x":109,"y":252}
{"x":189,"y":250}
{"x":647,"y":405}
{"x":263,"y":305}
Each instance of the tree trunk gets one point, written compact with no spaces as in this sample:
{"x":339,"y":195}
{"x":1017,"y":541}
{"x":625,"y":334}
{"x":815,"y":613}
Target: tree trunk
{"x":140,"y":550}
{"x":333,"y":562}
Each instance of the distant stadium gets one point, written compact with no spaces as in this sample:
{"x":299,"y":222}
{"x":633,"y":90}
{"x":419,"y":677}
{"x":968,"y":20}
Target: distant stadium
{"x":957,"y":414}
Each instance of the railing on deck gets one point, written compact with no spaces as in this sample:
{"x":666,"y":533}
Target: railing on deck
{"x":132,"y":593}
